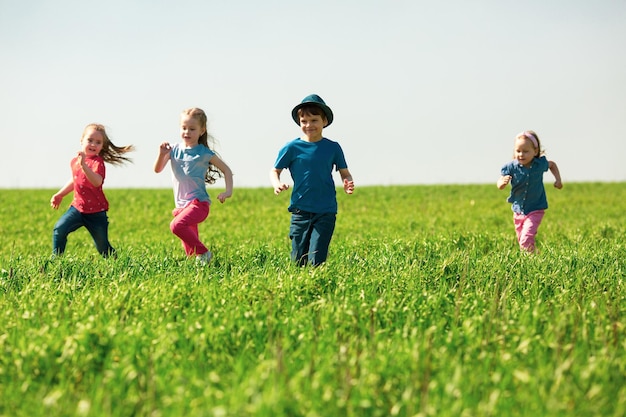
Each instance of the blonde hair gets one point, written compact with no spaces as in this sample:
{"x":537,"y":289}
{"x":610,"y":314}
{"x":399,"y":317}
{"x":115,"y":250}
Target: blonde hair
{"x":110,"y":152}
{"x":212,"y":173}
{"x":527,"y":135}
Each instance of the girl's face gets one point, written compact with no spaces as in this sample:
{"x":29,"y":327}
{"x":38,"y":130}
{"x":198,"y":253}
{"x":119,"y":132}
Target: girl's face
{"x":312,"y":125}
{"x":190,"y":130}
{"x":92,"y":142}
{"x":524,"y":151}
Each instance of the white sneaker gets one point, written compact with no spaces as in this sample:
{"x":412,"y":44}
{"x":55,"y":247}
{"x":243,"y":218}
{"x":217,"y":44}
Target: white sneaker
{"x":205,"y":258}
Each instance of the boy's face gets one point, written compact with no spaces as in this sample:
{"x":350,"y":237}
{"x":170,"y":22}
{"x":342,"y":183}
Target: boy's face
{"x":312,"y":126}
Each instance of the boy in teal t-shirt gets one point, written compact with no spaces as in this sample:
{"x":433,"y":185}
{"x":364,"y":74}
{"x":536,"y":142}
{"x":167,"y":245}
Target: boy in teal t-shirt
{"x":310,"y":160}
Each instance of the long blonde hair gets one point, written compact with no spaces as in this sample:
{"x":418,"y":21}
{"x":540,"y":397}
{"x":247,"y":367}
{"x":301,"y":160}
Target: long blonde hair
{"x":212,"y":174}
{"x":110,"y":152}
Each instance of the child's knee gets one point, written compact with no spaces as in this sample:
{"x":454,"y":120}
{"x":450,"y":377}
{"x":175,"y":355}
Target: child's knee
{"x":527,"y":242}
{"x":174,"y":226}
{"x":179,"y":228}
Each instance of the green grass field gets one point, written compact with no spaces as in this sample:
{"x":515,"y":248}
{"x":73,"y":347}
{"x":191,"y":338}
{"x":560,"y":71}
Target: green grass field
{"x":426,"y":307}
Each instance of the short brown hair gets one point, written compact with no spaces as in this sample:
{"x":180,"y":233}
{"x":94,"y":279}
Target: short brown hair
{"x":312,"y":110}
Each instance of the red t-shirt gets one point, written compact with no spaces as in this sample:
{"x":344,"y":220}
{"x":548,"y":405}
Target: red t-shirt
{"x":87,"y":198}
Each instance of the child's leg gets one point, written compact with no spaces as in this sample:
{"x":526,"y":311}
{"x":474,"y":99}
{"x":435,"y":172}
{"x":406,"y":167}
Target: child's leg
{"x":518,"y":221}
{"x":185,"y":226}
{"x":98,"y":226}
{"x":529,"y":230}
{"x":71,"y":220}
{"x":300,"y":235}
{"x":323,"y":228}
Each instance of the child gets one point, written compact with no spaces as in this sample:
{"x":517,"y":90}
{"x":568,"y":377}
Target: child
{"x":89,"y":207}
{"x":310,"y":160}
{"x":525,"y":173}
{"x":193,"y":163}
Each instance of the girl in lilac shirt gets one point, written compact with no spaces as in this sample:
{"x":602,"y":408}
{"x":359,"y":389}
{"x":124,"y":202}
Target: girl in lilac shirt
{"x":194,"y":165}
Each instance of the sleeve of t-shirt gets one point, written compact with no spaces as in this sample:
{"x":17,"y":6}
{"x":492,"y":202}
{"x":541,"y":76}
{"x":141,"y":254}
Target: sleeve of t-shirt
{"x":544,"y":164}
{"x":505,"y":170}
{"x":283,"y":160}
{"x":100,"y":168}
{"x":340,"y":159}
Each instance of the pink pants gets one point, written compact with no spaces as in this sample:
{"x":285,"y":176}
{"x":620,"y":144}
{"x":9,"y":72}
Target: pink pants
{"x":185,"y":226}
{"x":526,"y":226}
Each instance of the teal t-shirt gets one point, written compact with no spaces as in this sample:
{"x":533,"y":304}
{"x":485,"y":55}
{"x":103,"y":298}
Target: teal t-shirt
{"x":311,"y":166}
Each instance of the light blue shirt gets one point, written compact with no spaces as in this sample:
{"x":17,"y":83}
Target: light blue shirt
{"x":311,"y":165}
{"x":189,"y":167}
{"x":527,"y":190}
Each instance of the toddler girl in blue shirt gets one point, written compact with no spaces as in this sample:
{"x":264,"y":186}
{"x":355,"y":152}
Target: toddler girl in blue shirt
{"x":528,"y":195}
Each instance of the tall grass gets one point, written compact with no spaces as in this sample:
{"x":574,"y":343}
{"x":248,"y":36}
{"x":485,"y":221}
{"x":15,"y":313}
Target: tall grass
{"x":425,"y":307}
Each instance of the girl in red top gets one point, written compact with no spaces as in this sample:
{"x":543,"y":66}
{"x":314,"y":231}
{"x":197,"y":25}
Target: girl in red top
{"x":89,"y":207}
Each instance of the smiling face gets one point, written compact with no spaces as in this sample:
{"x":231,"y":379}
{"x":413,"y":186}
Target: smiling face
{"x":92,"y":142}
{"x":190,"y":130}
{"x":312,"y":126}
{"x":525,"y":151}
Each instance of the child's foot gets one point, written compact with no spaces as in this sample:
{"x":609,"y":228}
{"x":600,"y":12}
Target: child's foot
{"x":205,"y":258}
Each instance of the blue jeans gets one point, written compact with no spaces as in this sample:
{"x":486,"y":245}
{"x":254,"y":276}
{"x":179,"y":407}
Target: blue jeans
{"x":96,"y":223}
{"x":310,"y":235}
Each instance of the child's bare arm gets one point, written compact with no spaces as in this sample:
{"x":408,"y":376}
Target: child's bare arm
{"x":56,"y":199}
{"x":164,"y":156}
{"x":503,"y":181}
{"x":276,"y":183}
{"x":348,"y":182}
{"x":228,"y":177}
{"x":554,"y":169}
{"x":93,"y":177}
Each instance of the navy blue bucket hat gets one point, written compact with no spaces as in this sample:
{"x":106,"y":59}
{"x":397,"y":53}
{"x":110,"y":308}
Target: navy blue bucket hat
{"x":315,"y":100}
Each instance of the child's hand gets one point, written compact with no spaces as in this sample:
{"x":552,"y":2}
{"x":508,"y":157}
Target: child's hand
{"x":223,"y":196}
{"x":280,"y":188}
{"x":558,"y":184}
{"x":80,"y":158}
{"x":348,"y":186}
{"x":55,"y":201}
{"x":503,"y":181}
{"x":164,"y":148}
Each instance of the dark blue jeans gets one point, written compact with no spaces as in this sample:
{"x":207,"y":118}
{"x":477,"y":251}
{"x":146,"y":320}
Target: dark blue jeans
{"x":310,"y":235}
{"x":96,"y":223}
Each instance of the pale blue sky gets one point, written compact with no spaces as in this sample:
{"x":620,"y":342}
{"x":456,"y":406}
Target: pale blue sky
{"x":423,"y":92}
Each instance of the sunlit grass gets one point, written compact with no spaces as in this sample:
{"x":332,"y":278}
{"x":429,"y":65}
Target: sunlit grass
{"x":425,"y":308}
